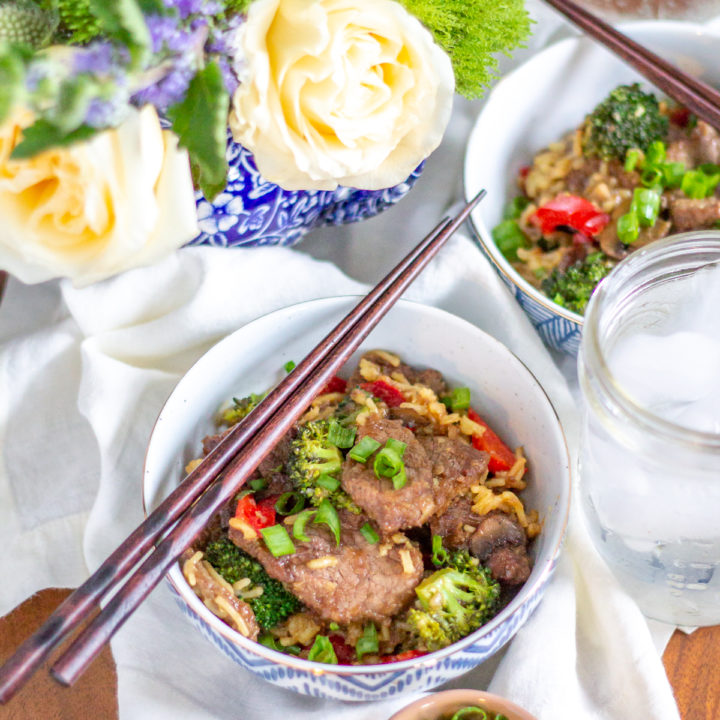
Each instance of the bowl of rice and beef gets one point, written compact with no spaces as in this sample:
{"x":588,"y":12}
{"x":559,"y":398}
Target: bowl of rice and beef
{"x":401,"y":532}
{"x":593,"y":164}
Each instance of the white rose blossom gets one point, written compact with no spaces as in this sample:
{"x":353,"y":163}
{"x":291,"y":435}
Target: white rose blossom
{"x":122,"y":199}
{"x":349,"y":92}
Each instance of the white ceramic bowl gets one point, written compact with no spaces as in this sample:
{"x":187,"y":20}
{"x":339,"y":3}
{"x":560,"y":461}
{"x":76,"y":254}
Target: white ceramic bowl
{"x":251,"y":360}
{"x":444,"y":704}
{"x":538,"y":103}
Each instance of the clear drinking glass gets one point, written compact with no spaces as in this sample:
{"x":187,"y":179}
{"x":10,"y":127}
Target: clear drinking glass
{"x":650,"y":485}
{"x":695,"y":10}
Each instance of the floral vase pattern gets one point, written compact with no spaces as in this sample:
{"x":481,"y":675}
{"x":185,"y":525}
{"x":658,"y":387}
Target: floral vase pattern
{"x":253,"y":212}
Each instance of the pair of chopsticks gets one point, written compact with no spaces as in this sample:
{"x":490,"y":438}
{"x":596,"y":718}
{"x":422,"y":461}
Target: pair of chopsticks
{"x":190,"y":507}
{"x":699,"y":97}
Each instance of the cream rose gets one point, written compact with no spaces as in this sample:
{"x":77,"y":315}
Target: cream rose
{"x":122,"y":199}
{"x":349,"y":92}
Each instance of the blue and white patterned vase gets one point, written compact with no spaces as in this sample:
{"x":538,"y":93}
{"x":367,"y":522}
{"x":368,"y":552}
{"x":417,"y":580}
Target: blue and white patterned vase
{"x":253,"y":212}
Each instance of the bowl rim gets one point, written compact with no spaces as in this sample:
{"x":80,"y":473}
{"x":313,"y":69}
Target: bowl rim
{"x":650,"y":27}
{"x":464,"y":695}
{"x":429,"y":660}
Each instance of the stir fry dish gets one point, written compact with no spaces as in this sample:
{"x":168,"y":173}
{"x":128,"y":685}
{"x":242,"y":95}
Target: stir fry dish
{"x":636,"y":170}
{"x":387,"y":524}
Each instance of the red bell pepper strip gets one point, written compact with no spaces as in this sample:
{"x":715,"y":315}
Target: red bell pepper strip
{"x":344,"y":653}
{"x":334,"y":385}
{"x":256,"y":515}
{"x":571,"y":211}
{"x":502,"y":458}
{"x":390,"y":395}
{"x":407,"y":655}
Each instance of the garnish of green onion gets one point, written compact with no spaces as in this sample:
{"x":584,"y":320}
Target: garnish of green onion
{"x":290,"y":503}
{"x":509,"y":238}
{"x":328,"y":482}
{"x":628,"y":228}
{"x":695,"y":184}
{"x":258,"y":484}
{"x":471,"y":712}
{"x":289,"y":366}
{"x":277,"y":540}
{"x":269,"y":641}
{"x":399,"y":478}
{"x":652,"y":177}
{"x":364,"y":449}
{"x":460,"y":399}
{"x":322,"y":651}
{"x":655,"y":153}
{"x":439,"y":553}
{"x":387,"y":463}
{"x":646,"y":206}
{"x":673,"y":173}
{"x":632,"y":158}
{"x":369,"y":533}
{"x":397,"y":445}
{"x":327,"y":515}
{"x":333,"y":626}
{"x":368,"y":643}
{"x":340,"y":436}
{"x":299,"y":525}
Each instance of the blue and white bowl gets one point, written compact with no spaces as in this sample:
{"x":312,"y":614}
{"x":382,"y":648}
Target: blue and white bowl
{"x":537,"y":104}
{"x":510,"y":398}
{"x":253,"y":212}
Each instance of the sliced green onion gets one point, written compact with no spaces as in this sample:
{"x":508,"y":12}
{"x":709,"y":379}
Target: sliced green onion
{"x":328,"y":482}
{"x":446,"y":401}
{"x":364,"y":449}
{"x":632,"y":159}
{"x":242,"y":494}
{"x":387,"y":463}
{"x":399,"y":478}
{"x":327,"y":515}
{"x":397,"y":445}
{"x":655,"y":153}
{"x":694,"y":184}
{"x":646,"y":206}
{"x":628,"y":228}
{"x":333,"y":626}
{"x":368,"y":643}
{"x":258,"y":484}
{"x":473,"y":712}
{"x":322,"y":651}
{"x":439,"y":553}
{"x":299,"y":525}
{"x":514,"y":209}
{"x":369,"y":533}
{"x":460,"y":399}
{"x":269,"y":641}
{"x":284,"y":506}
{"x":509,"y":238}
{"x":289,"y":366}
{"x":339,"y":436}
{"x":709,"y":168}
{"x":673,"y":174}
{"x":277,"y":540}
{"x":651,"y":177}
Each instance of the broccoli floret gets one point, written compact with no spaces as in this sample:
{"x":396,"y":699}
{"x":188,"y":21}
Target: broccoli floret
{"x":275,"y":604}
{"x":572,"y":289}
{"x":451,"y":604}
{"x":240,"y":409}
{"x":628,"y":118}
{"x":312,"y":455}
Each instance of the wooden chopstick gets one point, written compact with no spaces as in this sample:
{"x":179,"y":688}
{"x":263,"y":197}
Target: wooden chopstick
{"x":699,"y":97}
{"x":78,"y":606}
{"x":36,"y":649}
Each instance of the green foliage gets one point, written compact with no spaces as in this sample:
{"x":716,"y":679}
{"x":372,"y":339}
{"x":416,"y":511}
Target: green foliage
{"x":473,"y":33}
{"x":312,"y":455}
{"x":628,"y":118}
{"x":77,"y":23}
{"x":275,"y":604}
{"x":42,"y":135}
{"x":452,"y":603}
{"x":200,"y":122}
{"x":12,"y":77}
{"x":22,"y":22}
{"x":236,"y":7}
{"x":124,"y":22}
{"x":572,"y":289}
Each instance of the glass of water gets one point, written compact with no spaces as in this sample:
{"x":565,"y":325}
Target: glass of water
{"x":649,"y":369}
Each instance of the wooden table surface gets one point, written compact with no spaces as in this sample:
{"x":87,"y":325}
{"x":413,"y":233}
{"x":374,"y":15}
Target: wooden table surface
{"x":692,"y":663}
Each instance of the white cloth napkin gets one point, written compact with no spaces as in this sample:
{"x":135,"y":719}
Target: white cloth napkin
{"x":83,"y":374}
